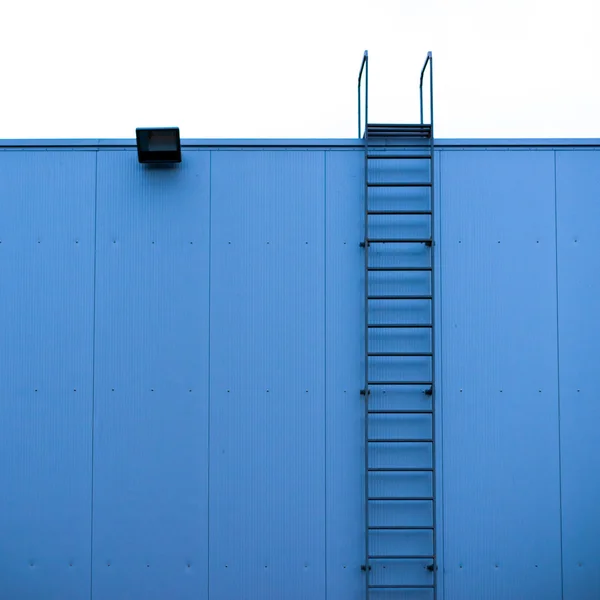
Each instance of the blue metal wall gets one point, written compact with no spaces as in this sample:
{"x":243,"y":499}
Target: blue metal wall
{"x":181,"y":359}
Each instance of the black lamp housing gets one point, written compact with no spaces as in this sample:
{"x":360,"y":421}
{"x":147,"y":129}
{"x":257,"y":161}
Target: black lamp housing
{"x":158,"y":145}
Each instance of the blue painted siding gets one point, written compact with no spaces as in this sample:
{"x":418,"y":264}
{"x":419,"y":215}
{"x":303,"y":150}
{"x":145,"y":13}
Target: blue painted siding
{"x":344,"y":305}
{"x":150,"y":494}
{"x":267,"y":375}
{"x":195,"y":337}
{"x":46,"y":380}
{"x":501,"y":501}
{"x":578,"y":220}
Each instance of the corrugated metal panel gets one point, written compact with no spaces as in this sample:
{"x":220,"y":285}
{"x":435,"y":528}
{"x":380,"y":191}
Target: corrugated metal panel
{"x":344,"y":374}
{"x":150,"y":537}
{"x":267,"y":413}
{"x":578,"y":218}
{"x":499,"y":353}
{"x":46,"y":300}
{"x":286,"y":466}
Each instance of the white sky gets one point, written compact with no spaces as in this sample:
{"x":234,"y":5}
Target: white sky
{"x":288,"y":68}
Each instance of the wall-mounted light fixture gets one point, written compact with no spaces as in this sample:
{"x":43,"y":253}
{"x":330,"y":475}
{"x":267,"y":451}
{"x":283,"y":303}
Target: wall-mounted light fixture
{"x":158,"y":145}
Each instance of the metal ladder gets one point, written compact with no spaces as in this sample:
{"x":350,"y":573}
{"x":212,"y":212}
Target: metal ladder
{"x":399,"y":390}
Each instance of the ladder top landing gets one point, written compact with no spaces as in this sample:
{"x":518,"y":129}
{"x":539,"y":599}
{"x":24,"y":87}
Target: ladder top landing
{"x":398,"y":130}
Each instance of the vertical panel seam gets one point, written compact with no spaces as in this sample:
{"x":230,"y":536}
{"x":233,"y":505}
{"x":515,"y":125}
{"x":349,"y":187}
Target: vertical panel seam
{"x":325,"y":347}
{"x":93,"y":374}
{"x":209,"y":373}
{"x":562,"y":590}
{"x":438,"y":391}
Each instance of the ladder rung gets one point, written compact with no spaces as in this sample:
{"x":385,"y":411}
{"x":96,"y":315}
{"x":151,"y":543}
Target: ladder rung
{"x":400,"y":556}
{"x":406,"y":125}
{"x":394,"y":297}
{"x":398,"y":212}
{"x":399,"y":527}
{"x":425,"y":269}
{"x":398,"y":184}
{"x":392,"y":411}
{"x":399,"y":469}
{"x":399,"y":240}
{"x":400,"y":383}
{"x":401,"y":498}
{"x":399,"y":325}
{"x":400,"y":441}
{"x":400,"y":354}
{"x":398,"y":156}
{"x":401,"y":587}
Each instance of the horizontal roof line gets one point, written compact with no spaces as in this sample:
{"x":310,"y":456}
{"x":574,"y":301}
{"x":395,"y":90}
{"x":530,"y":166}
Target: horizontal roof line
{"x":304,"y":143}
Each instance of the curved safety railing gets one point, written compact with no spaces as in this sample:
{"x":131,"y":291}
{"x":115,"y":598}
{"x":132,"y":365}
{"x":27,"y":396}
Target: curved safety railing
{"x":428,"y":61}
{"x":364,"y":68}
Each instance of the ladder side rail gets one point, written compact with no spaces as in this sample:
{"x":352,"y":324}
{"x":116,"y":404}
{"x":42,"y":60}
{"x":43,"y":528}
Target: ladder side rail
{"x":433,"y":328}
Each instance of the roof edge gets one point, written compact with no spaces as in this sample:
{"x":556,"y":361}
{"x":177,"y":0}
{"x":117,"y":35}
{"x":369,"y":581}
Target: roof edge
{"x":300,"y":143}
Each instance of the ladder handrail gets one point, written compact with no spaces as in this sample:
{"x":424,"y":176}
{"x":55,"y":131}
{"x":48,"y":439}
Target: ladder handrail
{"x":363,"y":67}
{"x":428,"y":60}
